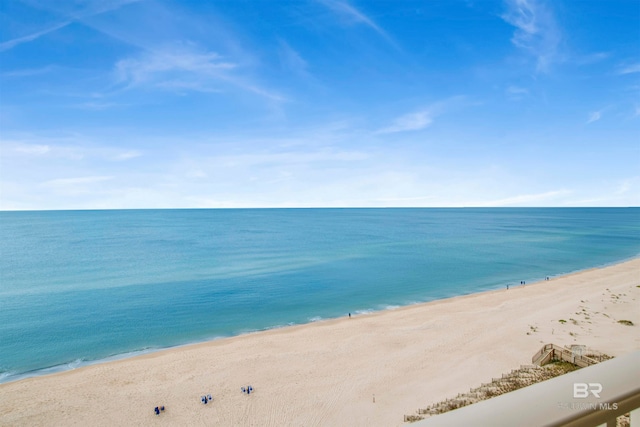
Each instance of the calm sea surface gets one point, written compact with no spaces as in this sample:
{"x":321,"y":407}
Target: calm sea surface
{"x":84,"y":286}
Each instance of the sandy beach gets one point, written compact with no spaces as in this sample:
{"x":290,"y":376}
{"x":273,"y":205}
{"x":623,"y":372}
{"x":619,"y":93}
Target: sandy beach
{"x":369,"y":370}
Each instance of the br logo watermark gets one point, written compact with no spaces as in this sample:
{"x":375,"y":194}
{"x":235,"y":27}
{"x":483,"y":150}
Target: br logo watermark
{"x":582,"y":390}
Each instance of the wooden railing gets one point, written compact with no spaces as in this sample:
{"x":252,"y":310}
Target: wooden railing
{"x":554,"y":352}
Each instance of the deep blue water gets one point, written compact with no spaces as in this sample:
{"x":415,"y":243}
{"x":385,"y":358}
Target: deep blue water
{"x":82,"y":286}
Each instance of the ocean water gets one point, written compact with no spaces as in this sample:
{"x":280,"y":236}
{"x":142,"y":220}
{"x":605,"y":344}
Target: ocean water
{"x":79,"y":287}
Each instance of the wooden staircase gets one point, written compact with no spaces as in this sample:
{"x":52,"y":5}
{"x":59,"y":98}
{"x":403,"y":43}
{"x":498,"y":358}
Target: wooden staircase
{"x":578,"y":355}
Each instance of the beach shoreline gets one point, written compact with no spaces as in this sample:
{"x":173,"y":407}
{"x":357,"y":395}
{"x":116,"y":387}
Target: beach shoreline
{"x":407,"y":357}
{"x":79,"y":363}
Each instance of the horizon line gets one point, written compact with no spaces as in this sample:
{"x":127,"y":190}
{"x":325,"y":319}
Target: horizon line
{"x":314,"y":208}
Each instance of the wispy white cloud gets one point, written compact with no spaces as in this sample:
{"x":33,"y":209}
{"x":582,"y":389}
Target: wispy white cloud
{"x":159,"y":67}
{"x":629,"y":69}
{"x":181,"y":86}
{"x":516,"y":92}
{"x":127,"y":155}
{"x":39,"y":147}
{"x":255,"y":89}
{"x":183,"y":67}
{"x":594,"y":117}
{"x":620,"y":192}
{"x":75,"y":148}
{"x":167,"y":60}
{"x":78,"y":11}
{"x":291,"y":60}
{"x":350,"y":13}
{"x":597,"y":115}
{"x":32,"y":149}
{"x":9,"y":44}
{"x":536,"y":30}
{"x":410,"y":122}
{"x":422,"y":118}
{"x":29,"y":72}
{"x":624,"y":187}
{"x":97,"y":106}
{"x":591,"y":58}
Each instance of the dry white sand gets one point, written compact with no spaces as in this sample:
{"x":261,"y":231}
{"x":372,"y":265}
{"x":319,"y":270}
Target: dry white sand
{"x":327,"y":373}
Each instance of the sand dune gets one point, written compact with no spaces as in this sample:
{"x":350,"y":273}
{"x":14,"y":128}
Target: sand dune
{"x":330,"y":372}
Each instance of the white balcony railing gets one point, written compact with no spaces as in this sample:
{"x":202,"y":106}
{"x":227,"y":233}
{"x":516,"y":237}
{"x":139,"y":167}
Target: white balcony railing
{"x":589,"y":397}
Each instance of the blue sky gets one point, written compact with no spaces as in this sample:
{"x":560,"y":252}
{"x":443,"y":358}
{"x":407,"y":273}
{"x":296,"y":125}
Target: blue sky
{"x":318,"y":103}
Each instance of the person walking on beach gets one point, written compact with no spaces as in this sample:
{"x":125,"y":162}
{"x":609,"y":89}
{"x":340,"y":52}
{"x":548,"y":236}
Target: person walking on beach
{"x":349,"y":315}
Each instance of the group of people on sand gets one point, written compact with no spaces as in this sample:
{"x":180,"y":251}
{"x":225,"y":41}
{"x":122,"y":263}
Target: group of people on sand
{"x":204,"y":399}
{"x":522,"y":282}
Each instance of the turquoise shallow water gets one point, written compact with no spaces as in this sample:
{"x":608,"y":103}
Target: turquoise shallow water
{"x":83,"y":286}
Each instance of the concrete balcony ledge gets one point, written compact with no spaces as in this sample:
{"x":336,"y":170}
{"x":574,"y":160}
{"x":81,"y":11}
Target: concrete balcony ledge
{"x":588,"y":397}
